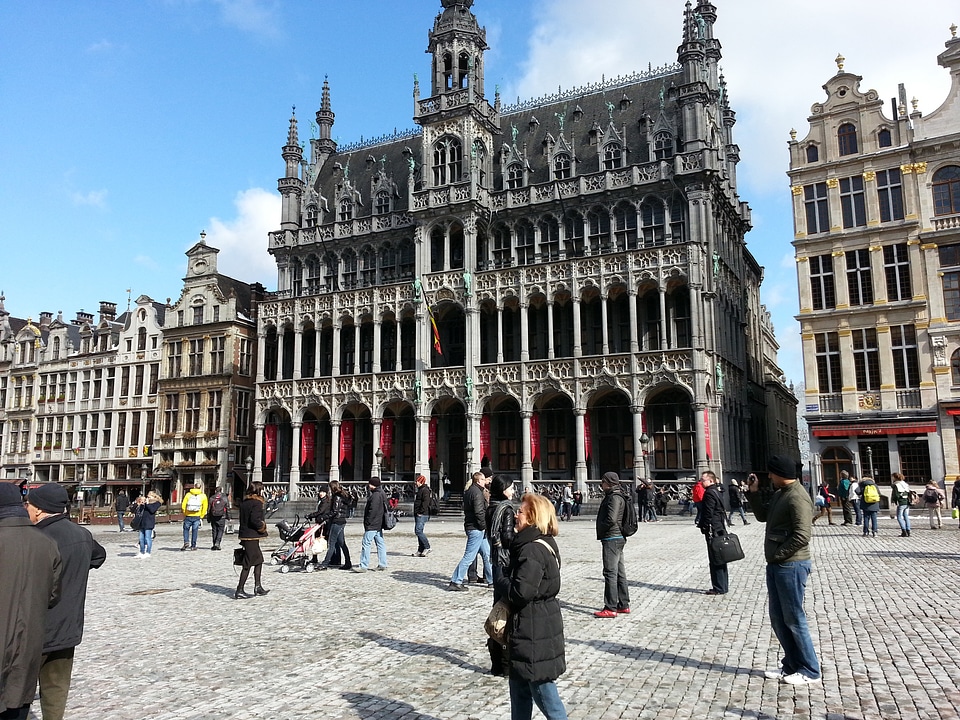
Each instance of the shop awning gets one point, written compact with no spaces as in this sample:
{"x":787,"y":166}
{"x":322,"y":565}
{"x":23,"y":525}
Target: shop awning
{"x":917,"y":427}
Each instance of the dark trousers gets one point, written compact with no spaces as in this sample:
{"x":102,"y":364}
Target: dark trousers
{"x":718,"y":574}
{"x":56,"y":670}
{"x":17,"y":713}
{"x":336,"y":546}
{"x":616,"y":593}
{"x":847,"y":506}
{"x":218,"y":525}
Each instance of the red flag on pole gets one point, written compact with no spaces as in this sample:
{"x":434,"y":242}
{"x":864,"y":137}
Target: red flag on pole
{"x":433,"y":324}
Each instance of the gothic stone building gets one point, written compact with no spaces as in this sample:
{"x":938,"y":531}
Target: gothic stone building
{"x":877,"y":220}
{"x":581,"y":255}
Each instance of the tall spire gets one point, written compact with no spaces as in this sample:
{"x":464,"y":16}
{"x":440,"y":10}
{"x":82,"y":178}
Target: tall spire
{"x":325,"y":119}
{"x":290,"y":185}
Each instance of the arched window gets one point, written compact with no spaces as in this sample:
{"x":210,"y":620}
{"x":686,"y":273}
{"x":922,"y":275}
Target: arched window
{"x":447,"y":161}
{"x":598,"y":220}
{"x":438,"y":239}
{"x":573,"y":234}
{"x":549,"y":239}
{"x":813,"y":153}
{"x":625,"y":224}
{"x":561,"y":167}
{"x":296,"y":277}
{"x":349,"y":269}
{"x":141,"y":338}
{"x":514,"y":176}
{"x":368,"y":267}
{"x":313,"y":215}
{"x":383,"y":203}
{"x":652,"y":220}
{"x":479,"y":158}
{"x":946,"y":190}
{"x":447,"y":72}
{"x":331,"y":271}
{"x":663,"y":146}
{"x":955,"y":368}
{"x":346,"y":210}
{"x":612,"y":156}
{"x":502,"y":252}
{"x":884,"y":139}
{"x":388,"y":263}
{"x":464,"y":69}
{"x":56,"y":348}
{"x":406,"y":259}
{"x":847,"y":139}
{"x":525,"y":249}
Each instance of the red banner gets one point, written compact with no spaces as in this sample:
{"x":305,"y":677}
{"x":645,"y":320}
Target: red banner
{"x":587,"y":444}
{"x":308,"y":443}
{"x":386,"y":438}
{"x":432,"y":439}
{"x":706,"y":432}
{"x":484,"y":438}
{"x":270,"y":444}
{"x":346,"y":441}
{"x":535,"y":437}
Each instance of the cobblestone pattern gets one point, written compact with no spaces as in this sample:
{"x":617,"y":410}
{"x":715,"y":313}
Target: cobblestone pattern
{"x":165,"y":640}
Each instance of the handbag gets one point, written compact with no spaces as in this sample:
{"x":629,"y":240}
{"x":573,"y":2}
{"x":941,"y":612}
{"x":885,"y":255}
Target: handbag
{"x":496,"y":623}
{"x":137,"y":519}
{"x":238,"y":555}
{"x":725,"y":549}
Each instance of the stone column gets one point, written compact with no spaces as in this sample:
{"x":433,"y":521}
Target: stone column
{"x":604,"y":331}
{"x":281,"y":345}
{"x":377,"y":343}
{"x":261,"y":356}
{"x":258,"y":452}
{"x":577,"y":344}
{"x":294,"y":491}
{"x":335,"y":450}
{"x":580,"y":467}
{"x":526,"y":462}
{"x":698,"y":421}
{"x":499,"y":334}
{"x":663,"y":318}
{"x":335,"y":364}
{"x":297,"y":352}
{"x":550,"y":306}
{"x":422,"y":464}
{"x":639,"y":460}
{"x":634,"y":330}
{"x":524,"y":334}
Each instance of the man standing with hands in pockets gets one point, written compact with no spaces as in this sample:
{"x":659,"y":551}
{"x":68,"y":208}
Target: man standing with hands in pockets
{"x":789,"y":516}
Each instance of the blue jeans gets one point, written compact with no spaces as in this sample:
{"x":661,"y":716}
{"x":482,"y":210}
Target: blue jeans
{"x":371,"y":536}
{"x":786,"y":583}
{"x":146,"y":540}
{"x":476,"y":543}
{"x":743,"y":515}
{"x":858,"y":513}
{"x":191,"y":526}
{"x":903,"y":516}
{"x":418,"y":523}
{"x":336,"y":546}
{"x":120,"y":521}
{"x":616,"y":592}
{"x":524,"y":694}
{"x":870,"y":520}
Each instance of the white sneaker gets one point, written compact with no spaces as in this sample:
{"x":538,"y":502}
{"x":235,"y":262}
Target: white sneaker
{"x":139,"y":556}
{"x":773,"y":674}
{"x":146,"y":555}
{"x":798,"y":679}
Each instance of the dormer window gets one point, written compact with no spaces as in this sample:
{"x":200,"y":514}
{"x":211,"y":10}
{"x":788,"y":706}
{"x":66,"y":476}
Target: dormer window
{"x":813,"y":153}
{"x":514,"y":176}
{"x":346,"y":210}
{"x":382,"y":206}
{"x":447,"y":161}
{"x":561,"y":167}
{"x":313,"y":215}
{"x":847,"y":139}
{"x":663,"y":146}
{"x":946,"y":191}
{"x":612,"y":156}
{"x":884,"y":139}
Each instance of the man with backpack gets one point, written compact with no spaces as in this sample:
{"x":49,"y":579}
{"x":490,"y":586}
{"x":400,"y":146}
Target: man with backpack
{"x":870,"y":504}
{"x":846,"y":502}
{"x":218,"y":516}
{"x":616,"y":520}
{"x":933,"y":500}
{"x":194,"y":507}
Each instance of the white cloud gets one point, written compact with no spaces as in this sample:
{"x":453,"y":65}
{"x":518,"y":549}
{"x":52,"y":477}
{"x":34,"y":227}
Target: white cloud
{"x":257,"y":17}
{"x":242,"y":241}
{"x":100,"y":46}
{"x":92,"y":198}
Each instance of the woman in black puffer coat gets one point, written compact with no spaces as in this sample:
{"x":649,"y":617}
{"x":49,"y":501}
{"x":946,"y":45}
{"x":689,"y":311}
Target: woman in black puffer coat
{"x":536,"y":645}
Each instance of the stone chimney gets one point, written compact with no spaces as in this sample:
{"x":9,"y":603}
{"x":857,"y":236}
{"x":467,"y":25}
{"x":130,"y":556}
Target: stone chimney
{"x":83,"y":317}
{"x":45,"y":320}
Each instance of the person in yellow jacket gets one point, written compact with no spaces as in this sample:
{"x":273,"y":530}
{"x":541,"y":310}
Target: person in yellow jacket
{"x":194,"y":507}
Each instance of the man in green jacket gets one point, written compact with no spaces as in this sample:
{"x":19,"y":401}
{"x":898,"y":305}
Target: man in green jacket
{"x":789,"y":516}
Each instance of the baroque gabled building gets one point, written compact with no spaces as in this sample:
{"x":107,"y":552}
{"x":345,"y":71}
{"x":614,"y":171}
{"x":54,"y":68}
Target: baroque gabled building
{"x":553,"y":289}
{"x":207,"y":380}
{"x":877,"y":221}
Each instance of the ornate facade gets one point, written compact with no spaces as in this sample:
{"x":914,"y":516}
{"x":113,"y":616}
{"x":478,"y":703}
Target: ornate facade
{"x":877,"y":219}
{"x":555,"y":289}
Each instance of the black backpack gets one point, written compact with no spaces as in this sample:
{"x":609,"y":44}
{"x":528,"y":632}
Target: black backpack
{"x":629,"y":523}
{"x":433,"y":505}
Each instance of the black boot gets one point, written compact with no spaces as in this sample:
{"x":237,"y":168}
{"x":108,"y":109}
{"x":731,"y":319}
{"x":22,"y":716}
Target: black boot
{"x":241,"y":595}
{"x":259,"y":590}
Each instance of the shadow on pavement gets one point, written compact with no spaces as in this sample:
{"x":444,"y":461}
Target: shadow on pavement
{"x":375,"y":707}
{"x":214,"y":589}
{"x":652,"y":586}
{"x":414,"y":649}
{"x":634,"y":652}
{"x":913,"y":555}
{"x":422,"y":578}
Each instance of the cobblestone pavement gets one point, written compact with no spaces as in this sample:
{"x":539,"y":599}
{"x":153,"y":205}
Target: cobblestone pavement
{"x":165,"y":639}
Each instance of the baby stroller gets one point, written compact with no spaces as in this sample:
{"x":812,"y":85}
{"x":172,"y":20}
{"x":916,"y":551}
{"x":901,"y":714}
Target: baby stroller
{"x":302,"y":544}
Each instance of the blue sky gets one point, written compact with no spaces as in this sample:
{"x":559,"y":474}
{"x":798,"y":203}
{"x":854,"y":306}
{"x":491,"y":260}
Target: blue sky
{"x":127,"y":128}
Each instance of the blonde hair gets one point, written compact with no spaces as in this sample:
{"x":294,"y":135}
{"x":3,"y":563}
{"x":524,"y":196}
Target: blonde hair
{"x":154,"y":496}
{"x":540,"y":512}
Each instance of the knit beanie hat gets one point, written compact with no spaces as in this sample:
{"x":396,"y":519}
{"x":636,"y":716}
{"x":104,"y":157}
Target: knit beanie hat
{"x":612,"y":478}
{"x":11,"y":501}
{"x":375,"y":481}
{"x":51,"y":498}
{"x":782,"y":466}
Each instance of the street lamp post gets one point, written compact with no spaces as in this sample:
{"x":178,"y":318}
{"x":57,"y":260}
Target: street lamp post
{"x":248,"y":463}
{"x":870,"y":461}
{"x":644,"y":440}
{"x":143,"y":479}
{"x":379,"y":455}
{"x":468,"y":461}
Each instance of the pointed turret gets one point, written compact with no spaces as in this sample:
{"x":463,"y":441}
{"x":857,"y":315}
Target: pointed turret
{"x":325,"y":119}
{"x":699,"y":54}
{"x":290,"y":185}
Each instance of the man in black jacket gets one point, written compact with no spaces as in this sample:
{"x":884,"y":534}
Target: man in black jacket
{"x":616,"y":593}
{"x":474,"y":525}
{"x":713,"y":521}
{"x":421,"y":515}
{"x":79,"y":552}
{"x":373,"y":515}
{"x":30,"y":568}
